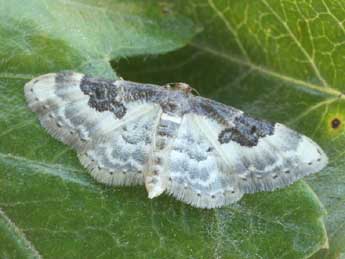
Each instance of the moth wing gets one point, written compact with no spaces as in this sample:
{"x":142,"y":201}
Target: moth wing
{"x":220,"y":153}
{"x":113,"y":144}
{"x":197,"y":173}
{"x":274,"y":161}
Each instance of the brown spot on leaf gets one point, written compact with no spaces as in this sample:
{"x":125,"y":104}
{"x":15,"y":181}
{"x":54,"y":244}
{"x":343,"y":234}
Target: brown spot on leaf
{"x":335,"y":123}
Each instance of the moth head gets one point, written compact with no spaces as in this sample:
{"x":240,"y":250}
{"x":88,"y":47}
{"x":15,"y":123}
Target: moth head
{"x":179,"y":86}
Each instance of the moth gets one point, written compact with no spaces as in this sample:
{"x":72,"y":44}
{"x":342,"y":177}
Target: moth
{"x":202,"y":152}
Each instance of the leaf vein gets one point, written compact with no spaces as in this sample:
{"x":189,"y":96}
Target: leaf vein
{"x":229,"y":28}
{"x":20,"y":236}
{"x":260,"y":69}
{"x":298,"y":44}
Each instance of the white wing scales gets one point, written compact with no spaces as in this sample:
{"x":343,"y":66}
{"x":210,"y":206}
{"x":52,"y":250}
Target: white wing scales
{"x":122,"y":159}
{"x":206,"y":173}
{"x":114,"y":150}
{"x":276,"y":161}
{"x":63,"y":109}
{"x":198,"y":175}
{"x":282,"y":158}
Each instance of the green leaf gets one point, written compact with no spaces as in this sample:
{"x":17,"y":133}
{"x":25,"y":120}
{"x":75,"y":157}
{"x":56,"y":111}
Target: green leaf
{"x":262,"y":57}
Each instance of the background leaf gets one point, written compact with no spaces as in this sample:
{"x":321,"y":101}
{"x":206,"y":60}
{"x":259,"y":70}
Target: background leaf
{"x":279,"y":60}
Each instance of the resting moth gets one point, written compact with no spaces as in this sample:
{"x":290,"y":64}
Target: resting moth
{"x":202,"y":152}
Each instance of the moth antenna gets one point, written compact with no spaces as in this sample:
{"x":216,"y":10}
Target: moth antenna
{"x":195,"y":91}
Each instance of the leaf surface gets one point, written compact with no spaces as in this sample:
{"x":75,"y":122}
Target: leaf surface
{"x":51,"y":207}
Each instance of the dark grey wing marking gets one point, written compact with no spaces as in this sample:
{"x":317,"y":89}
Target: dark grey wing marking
{"x":239,"y":127}
{"x":104,"y":95}
{"x":246,"y":131}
